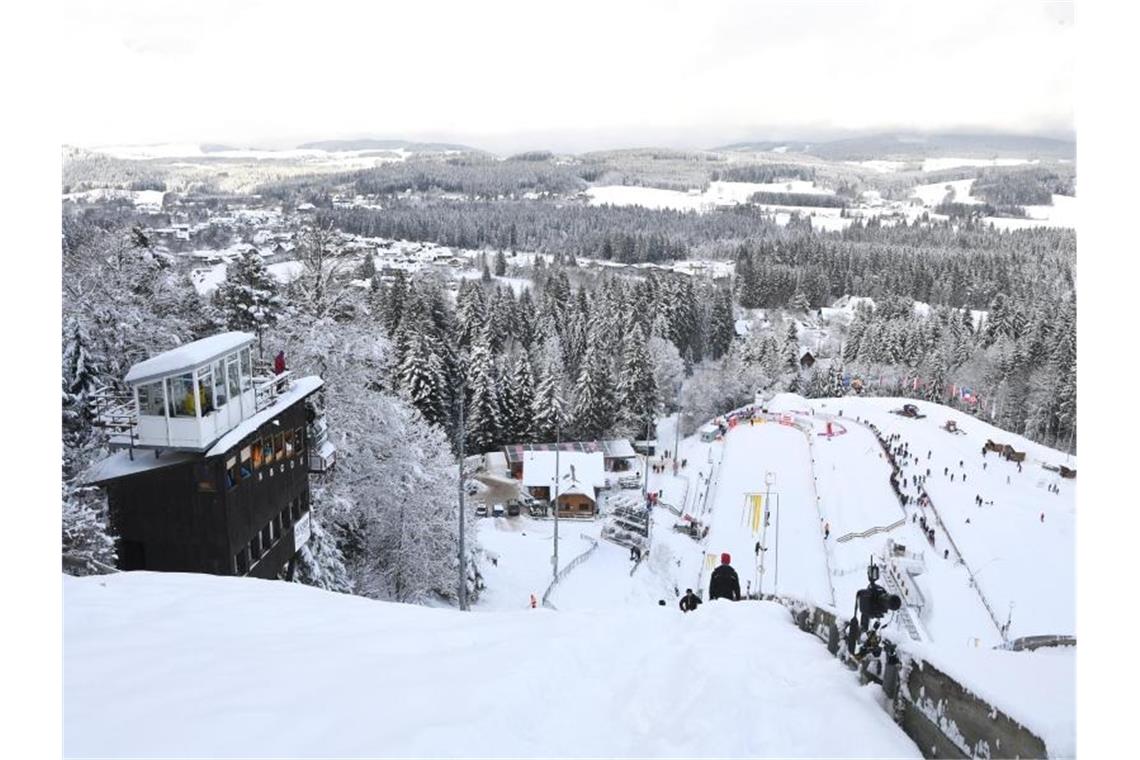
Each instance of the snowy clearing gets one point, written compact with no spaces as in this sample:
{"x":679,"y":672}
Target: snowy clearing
{"x":1063,"y":213}
{"x":879,"y":165}
{"x":937,"y":164}
{"x":718,"y":194}
{"x":933,"y":194}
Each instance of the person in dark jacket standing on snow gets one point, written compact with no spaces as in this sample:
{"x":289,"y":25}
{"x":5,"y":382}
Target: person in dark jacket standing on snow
{"x":724,"y":583}
{"x":690,"y":601}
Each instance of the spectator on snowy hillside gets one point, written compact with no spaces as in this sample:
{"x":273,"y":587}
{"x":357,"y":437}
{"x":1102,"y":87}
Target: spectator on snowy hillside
{"x":690,"y":601}
{"x":724,"y":583}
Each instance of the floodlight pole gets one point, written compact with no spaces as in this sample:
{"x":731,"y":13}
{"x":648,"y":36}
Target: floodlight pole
{"x":769,"y":478}
{"x":554,"y":501}
{"x":648,"y":425}
{"x":462,"y":547}
{"x":677,"y":429}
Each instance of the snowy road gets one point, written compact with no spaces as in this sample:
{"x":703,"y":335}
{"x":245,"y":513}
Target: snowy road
{"x":262,"y":668}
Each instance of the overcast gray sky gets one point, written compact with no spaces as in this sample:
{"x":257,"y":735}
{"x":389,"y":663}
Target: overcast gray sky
{"x":507,"y":75}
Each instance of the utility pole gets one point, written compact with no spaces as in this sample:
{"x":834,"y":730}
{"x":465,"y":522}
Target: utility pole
{"x":462,"y":546}
{"x":677,"y":429}
{"x":554,"y":501}
{"x":645,"y":489}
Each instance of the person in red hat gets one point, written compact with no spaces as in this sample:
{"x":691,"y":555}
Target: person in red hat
{"x":724,"y":583}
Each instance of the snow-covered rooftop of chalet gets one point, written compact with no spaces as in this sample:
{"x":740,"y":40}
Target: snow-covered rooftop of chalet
{"x":188,"y":356}
{"x":585,"y":469}
{"x":577,"y":489}
{"x":120,"y":464}
{"x":301,"y":388}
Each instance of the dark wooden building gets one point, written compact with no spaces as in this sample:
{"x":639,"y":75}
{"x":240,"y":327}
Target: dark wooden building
{"x":235,"y":501}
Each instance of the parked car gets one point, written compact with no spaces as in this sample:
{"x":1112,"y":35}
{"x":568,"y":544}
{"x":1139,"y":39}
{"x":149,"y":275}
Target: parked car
{"x":481,"y":510}
{"x":497,"y":510}
{"x":513,"y":509}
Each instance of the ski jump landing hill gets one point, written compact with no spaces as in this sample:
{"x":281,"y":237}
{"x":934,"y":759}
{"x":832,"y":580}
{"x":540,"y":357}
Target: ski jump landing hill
{"x":994,"y":574}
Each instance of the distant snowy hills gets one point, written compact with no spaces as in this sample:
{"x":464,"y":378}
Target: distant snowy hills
{"x":312,"y":150}
{"x":370,"y":144}
{"x":882,"y":147}
{"x":916,"y":146}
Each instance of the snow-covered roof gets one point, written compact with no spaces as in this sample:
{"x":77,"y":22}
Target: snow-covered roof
{"x":586,"y":470}
{"x":187,"y":357}
{"x":301,"y":388}
{"x":120,"y":464}
{"x":617,"y":448}
{"x":577,"y":489}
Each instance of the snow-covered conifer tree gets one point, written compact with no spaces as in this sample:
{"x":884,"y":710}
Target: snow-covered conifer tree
{"x":249,"y":298}
{"x":87,"y":545}
{"x":422,"y":380}
{"x":518,"y":402}
{"x":637,"y":387}
{"x":594,"y":397}
{"x":483,"y":411}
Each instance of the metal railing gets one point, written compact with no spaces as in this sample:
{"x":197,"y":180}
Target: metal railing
{"x":113,"y":409}
{"x":266,"y":388}
{"x":871,"y":531}
{"x":566,"y":571}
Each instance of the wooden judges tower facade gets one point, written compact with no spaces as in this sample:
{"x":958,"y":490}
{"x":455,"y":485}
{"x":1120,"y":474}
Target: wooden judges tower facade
{"x":212,"y":471}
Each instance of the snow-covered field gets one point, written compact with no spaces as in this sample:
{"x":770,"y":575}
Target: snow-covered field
{"x":171,"y":665}
{"x":718,"y":194}
{"x":1063,"y":213}
{"x":522,"y":548}
{"x":516,"y":284}
{"x":937,"y":164}
{"x":843,"y":310}
{"x":933,"y":194}
{"x":879,"y":165}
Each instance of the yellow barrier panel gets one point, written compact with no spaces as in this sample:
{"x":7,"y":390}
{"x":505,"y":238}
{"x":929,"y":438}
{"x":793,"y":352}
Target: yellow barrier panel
{"x":756,"y":507}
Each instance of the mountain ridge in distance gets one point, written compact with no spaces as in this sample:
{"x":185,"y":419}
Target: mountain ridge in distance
{"x":368,"y":143}
{"x":915,"y":145}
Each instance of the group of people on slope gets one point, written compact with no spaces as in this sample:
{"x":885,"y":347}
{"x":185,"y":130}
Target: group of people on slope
{"x":724,"y":584}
